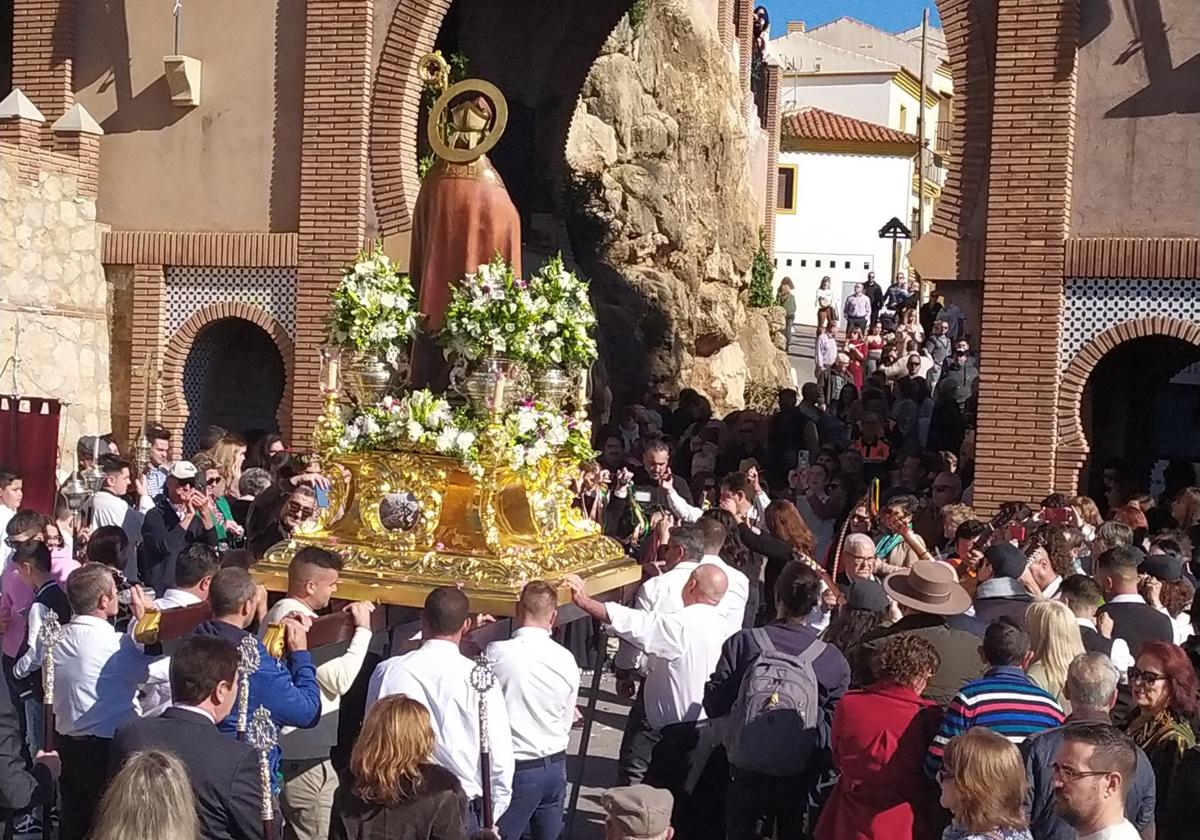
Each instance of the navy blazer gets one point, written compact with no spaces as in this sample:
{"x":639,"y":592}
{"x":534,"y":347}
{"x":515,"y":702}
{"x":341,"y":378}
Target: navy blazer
{"x":223,"y":771}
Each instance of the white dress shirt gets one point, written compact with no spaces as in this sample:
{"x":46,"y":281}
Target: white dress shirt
{"x":683,"y":648}
{"x":1124,"y":830}
{"x":97,"y":674}
{"x":1051,"y":590}
{"x":110,"y":509}
{"x":337,"y":668}
{"x":661,"y":593}
{"x":733,"y":603}
{"x":540,"y":681}
{"x":439,"y":677}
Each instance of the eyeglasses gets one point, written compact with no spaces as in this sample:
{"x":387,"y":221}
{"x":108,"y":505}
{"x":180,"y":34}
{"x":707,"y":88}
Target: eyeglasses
{"x":1137,"y":675}
{"x":216,"y":479}
{"x":301,"y":510}
{"x":1070,"y":774}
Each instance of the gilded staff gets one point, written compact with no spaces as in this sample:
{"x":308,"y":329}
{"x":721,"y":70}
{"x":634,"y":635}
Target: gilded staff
{"x":49,"y":635}
{"x":248,"y":662}
{"x":263,"y":736}
{"x":482,"y":680}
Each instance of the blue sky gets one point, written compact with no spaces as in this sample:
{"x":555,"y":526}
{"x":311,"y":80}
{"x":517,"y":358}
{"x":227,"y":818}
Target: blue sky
{"x":889,"y":15}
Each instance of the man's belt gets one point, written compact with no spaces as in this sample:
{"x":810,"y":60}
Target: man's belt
{"x":158,"y":626}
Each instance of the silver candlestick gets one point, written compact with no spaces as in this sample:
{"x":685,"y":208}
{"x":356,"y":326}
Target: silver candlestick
{"x":248,"y":662}
{"x":49,"y":636}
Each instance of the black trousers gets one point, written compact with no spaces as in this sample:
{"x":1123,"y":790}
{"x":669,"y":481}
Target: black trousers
{"x":689,"y":761}
{"x":637,"y":743}
{"x":84,"y":773}
{"x":756,"y":799}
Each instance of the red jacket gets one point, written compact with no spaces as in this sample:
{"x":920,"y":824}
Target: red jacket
{"x":879,"y":739}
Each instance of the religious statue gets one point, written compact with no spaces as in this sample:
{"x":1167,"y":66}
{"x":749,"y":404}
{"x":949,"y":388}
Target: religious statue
{"x":463,"y":213}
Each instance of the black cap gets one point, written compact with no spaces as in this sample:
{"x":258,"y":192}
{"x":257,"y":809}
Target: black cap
{"x":866,"y":595}
{"x":1164,"y":567}
{"x":1006,"y":560}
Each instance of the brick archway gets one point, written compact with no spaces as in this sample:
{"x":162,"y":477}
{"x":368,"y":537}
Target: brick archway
{"x":179,"y":346}
{"x":1073,"y":445}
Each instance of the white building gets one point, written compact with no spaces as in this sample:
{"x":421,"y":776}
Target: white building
{"x":840,"y":180}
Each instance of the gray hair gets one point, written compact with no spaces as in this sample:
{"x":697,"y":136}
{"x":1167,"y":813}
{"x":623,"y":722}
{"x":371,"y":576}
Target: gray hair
{"x":690,"y":539}
{"x":862,"y":540}
{"x":253,"y":481}
{"x":1092,"y":680}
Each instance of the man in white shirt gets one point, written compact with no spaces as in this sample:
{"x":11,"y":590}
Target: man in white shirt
{"x":109,"y":506}
{"x":438,"y":677}
{"x":540,"y":681}
{"x":683,"y":648}
{"x":98,"y":672}
{"x":737,"y":594}
{"x":12,"y":493}
{"x":1091,"y":771}
{"x":309,"y":780}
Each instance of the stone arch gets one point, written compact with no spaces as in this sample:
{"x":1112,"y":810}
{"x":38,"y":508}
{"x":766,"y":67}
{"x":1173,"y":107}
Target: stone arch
{"x":1073,"y":445}
{"x":179,"y":345}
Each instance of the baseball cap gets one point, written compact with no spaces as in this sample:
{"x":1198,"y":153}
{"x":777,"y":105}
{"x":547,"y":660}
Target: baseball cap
{"x":1006,"y":560}
{"x":639,"y":810}
{"x":182,"y":470}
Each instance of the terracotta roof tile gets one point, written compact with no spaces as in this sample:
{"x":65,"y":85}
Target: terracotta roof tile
{"x":817,"y":124}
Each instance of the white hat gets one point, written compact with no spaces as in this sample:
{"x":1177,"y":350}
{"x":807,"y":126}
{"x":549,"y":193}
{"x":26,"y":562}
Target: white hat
{"x":182,"y":470}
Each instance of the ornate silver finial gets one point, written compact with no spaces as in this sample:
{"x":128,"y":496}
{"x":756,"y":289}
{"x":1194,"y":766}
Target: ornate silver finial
{"x":263,"y":735}
{"x":249,"y":660}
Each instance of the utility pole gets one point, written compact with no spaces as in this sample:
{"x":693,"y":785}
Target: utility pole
{"x":921,"y":131}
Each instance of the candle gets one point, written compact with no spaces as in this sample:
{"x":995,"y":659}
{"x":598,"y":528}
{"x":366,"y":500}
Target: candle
{"x":95,"y":448}
{"x":498,"y":395}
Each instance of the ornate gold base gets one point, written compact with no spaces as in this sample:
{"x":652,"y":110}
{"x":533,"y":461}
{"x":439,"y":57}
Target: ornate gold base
{"x":405,"y":522}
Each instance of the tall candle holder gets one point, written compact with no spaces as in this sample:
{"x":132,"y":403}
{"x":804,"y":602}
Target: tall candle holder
{"x":328,"y":429}
{"x":263,"y":736}
{"x":249,"y":659}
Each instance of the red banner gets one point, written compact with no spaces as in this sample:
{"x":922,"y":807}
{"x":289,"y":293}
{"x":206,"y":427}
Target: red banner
{"x":29,"y":445}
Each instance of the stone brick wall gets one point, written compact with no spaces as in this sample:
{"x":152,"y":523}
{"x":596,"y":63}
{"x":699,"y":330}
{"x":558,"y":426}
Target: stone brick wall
{"x":53,"y":283}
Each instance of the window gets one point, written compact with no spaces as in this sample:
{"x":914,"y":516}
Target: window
{"x":903,"y":118}
{"x":803,"y":263}
{"x":847,"y":264}
{"x":785,"y":198}
{"x":789,"y":262}
{"x":866,"y":266}
{"x":818,"y":263}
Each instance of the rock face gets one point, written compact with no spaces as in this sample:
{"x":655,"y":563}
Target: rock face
{"x":662,"y":217}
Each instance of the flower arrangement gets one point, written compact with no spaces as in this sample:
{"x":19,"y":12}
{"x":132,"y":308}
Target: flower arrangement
{"x":493,"y":313}
{"x":373,"y":307}
{"x":568,"y":321}
{"x":535,"y":431}
{"x":421,"y":419}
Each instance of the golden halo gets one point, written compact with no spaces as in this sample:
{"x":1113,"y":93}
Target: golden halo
{"x":438,"y":113}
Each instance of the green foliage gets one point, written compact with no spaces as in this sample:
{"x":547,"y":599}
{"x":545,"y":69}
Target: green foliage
{"x":762,"y":273}
{"x":424,"y":164}
{"x":637,"y":13}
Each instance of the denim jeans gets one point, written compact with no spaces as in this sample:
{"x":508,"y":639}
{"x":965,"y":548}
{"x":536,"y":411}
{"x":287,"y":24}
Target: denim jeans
{"x":538,"y":789}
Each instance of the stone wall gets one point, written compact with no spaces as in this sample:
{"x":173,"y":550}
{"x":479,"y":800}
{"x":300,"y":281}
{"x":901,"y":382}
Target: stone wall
{"x":53,"y":289}
{"x":663,"y":218}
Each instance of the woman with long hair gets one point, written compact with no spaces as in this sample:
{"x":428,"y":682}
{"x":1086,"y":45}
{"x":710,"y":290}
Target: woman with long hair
{"x":150,"y":798}
{"x":826,"y":306}
{"x":1165,"y":691}
{"x":395,"y":791}
{"x":1055,"y":641}
{"x":856,"y":349}
{"x":229,"y":453}
{"x":785,"y":538}
{"x":983,"y":787}
{"x":259,"y":455}
{"x":879,"y":738}
{"x":874,"y":342}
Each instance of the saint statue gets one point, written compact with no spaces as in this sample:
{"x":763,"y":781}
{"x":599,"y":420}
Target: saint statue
{"x":463,"y":213}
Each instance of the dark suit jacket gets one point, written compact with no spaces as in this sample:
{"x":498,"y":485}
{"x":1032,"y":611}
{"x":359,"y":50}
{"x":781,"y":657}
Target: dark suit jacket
{"x":20,"y":786}
{"x":437,"y":811}
{"x":163,"y":539}
{"x":223,"y":771}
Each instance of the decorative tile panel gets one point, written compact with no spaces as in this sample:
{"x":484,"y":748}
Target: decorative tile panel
{"x":189,"y":288}
{"x":1094,"y":305}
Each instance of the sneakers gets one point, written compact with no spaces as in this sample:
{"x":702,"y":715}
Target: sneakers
{"x":27,"y":823}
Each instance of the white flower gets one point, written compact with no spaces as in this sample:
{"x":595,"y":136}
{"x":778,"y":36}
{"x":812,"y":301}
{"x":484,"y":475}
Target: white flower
{"x":362,"y":269}
{"x":550,"y":327}
{"x":387,"y":300}
{"x":445,"y":440}
{"x":464,"y":440}
{"x":414,"y":430}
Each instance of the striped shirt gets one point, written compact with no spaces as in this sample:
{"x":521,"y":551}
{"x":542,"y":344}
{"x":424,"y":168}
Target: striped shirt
{"x":1004,"y":700}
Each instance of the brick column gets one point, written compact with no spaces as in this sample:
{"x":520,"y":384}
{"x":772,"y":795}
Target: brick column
{"x":77,"y":134}
{"x":43,"y":50}
{"x":149,"y":311}
{"x":21,"y":128}
{"x":771,"y":92}
{"x":725,"y":13}
{"x":333,"y":177}
{"x":1029,"y":198}
{"x":744,"y":23}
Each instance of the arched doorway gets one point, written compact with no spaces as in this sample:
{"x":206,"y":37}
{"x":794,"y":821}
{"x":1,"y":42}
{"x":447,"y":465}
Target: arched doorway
{"x":233,"y":377}
{"x":1141,"y":406}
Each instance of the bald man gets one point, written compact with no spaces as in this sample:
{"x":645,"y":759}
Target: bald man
{"x":682,"y":648}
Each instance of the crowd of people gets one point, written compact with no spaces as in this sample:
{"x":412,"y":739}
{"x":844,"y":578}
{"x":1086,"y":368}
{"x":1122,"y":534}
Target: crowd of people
{"x":827,"y":641}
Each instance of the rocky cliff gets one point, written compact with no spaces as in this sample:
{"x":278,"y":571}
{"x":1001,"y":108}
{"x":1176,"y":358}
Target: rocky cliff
{"x":661,"y":215}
